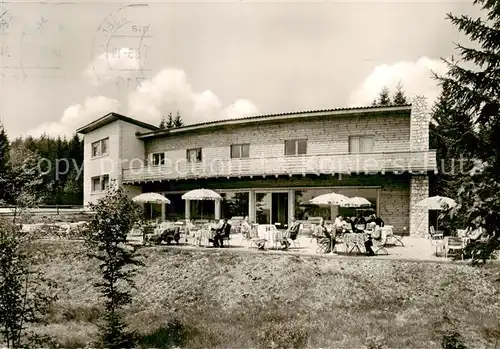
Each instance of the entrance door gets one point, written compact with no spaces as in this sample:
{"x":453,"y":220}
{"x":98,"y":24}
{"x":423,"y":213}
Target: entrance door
{"x":280,"y":208}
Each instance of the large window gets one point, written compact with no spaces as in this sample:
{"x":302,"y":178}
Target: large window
{"x":193,"y":155}
{"x":234,"y":204}
{"x":158,"y":159}
{"x":360,"y":144}
{"x":303,"y":209}
{"x":177,"y":207}
{"x":240,"y":151}
{"x":296,"y":147}
{"x":100,"y":183}
{"x":100,"y":148}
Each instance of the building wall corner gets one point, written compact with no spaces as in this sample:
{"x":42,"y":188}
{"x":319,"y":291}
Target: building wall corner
{"x":419,"y":216}
{"x":419,"y":124}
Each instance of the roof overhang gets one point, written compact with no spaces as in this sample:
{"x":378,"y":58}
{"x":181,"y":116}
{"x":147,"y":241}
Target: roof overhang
{"x":376,"y":110}
{"x":112,"y":117}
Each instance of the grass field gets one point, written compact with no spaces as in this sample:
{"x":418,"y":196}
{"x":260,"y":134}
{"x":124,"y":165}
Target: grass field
{"x":222,"y":299}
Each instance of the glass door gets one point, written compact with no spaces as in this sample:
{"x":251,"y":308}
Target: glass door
{"x":279,"y":209}
{"x":271,"y":208}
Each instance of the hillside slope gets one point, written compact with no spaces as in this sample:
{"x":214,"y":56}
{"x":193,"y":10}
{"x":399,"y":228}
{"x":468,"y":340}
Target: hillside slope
{"x":222,"y":299}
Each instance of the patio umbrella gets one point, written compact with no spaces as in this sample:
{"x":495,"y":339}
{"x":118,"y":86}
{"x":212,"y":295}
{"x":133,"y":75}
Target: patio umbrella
{"x":437,"y":203}
{"x":331,"y":199}
{"x":201,"y":194}
{"x":356,"y":201}
{"x":328,"y":199}
{"x":151,"y":198}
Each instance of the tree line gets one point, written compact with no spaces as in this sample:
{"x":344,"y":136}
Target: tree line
{"x":171,"y":122}
{"x":384,"y":97}
{"x":50,"y":167}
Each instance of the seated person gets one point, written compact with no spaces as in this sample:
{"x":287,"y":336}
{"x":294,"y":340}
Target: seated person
{"x":369,"y":245}
{"x":339,"y":225}
{"x":377,"y":232}
{"x":371,"y":219}
{"x":350,"y":224}
{"x":360,"y":220}
{"x":246,"y":228}
{"x":374,"y":219}
{"x":293,"y":230}
{"x":221,"y":233}
{"x":379,"y":221}
{"x":323,"y":232}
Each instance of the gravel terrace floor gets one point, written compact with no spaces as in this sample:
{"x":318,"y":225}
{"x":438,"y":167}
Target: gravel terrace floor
{"x":414,"y":249}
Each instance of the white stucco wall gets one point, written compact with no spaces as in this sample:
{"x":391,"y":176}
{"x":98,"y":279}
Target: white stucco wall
{"x":100,"y":165}
{"x":123,"y":147}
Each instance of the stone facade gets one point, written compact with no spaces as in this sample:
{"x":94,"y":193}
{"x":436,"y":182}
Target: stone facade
{"x":419,"y":128}
{"x":419,"y":216}
{"x":325,"y":135}
{"x":419,"y":184}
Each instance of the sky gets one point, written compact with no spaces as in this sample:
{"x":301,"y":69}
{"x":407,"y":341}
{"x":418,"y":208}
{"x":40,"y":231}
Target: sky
{"x":65,"y":64}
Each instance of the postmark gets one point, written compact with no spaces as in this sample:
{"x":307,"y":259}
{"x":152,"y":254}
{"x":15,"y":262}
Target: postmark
{"x":41,"y":54}
{"x":34,"y":50}
{"x":122,"y":44}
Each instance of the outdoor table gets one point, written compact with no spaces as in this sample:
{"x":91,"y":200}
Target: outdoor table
{"x":356,"y":240}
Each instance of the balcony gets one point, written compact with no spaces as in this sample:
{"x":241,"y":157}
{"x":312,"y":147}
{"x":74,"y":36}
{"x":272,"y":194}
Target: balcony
{"x":368,"y":163}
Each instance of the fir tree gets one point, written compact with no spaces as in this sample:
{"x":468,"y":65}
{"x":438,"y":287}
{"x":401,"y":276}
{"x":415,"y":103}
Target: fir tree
{"x":178,"y":121}
{"x":4,"y":162}
{"x":115,"y":216}
{"x":399,"y":96}
{"x":163,"y":123}
{"x":170,"y":121}
{"x":383,"y":98}
{"x":475,"y":94}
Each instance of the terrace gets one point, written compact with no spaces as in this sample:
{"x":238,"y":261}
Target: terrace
{"x":367,"y":163}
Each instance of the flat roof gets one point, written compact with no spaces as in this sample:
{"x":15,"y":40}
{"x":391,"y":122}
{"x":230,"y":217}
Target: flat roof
{"x":111,"y":117}
{"x":277,"y":117}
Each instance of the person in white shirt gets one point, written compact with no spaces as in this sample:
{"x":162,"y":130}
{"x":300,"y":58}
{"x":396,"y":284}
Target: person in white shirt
{"x":339,"y":224}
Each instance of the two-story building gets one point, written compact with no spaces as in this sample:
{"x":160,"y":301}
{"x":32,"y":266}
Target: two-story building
{"x":268,"y":167}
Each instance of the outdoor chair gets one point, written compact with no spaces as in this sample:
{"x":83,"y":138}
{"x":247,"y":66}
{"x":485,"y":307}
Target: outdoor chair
{"x":454,"y":244}
{"x":323,"y":244}
{"x":391,"y":238}
{"x":436,"y":239}
{"x":379,"y":245}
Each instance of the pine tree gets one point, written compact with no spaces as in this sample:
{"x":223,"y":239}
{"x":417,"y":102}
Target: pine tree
{"x":163,"y":123}
{"x":115,"y":216}
{"x":447,"y":123}
{"x":399,"y":97}
{"x":475,"y":95}
{"x":383,"y":98}
{"x":170,"y":121}
{"x":4,"y":162}
{"x":178,"y":121}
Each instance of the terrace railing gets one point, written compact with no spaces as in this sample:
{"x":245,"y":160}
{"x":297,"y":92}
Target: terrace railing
{"x":367,"y":163}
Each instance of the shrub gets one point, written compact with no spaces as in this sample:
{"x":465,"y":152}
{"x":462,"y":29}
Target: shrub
{"x":452,"y":340}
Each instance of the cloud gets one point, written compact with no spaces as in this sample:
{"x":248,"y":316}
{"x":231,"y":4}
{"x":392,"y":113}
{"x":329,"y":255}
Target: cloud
{"x":241,"y":108}
{"x":169,"y":91}
{"x":416,"y":78}
{"x":109,"y":66}
{"x":76,"y":116}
